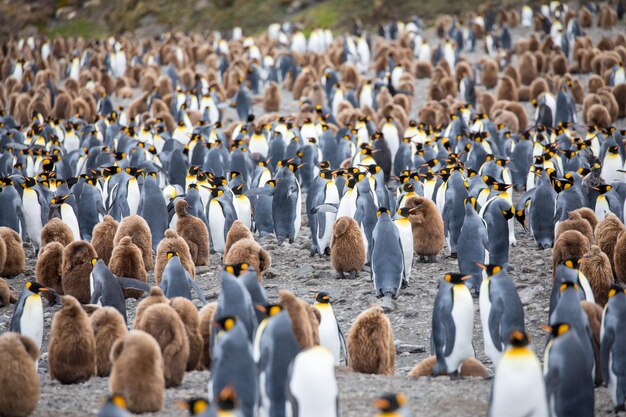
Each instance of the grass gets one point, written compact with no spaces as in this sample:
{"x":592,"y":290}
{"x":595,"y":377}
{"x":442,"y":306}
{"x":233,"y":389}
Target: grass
{"x":79,"y":27}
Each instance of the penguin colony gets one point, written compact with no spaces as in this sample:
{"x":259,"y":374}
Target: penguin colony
{"x":120,"y":203}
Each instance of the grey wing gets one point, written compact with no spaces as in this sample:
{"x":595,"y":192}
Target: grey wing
{"x":197,"y":289}
{"x":132,"y":283}
{"x":495,"y":322}
{"x":605,"y":348}
{"x":15,"y":321}
{"x":344,"y":345}
{"x":449,"y":330}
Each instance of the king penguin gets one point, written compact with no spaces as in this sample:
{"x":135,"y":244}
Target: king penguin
{"x":613,"y":346}
{"x":405,"y":230}
{"x":61,"y":209}
{"x":329,"y":330}
{"x":501,"y":311}
{"x":452,"y":325}
{"x":28,"y":315}
{"x":386,"y":256}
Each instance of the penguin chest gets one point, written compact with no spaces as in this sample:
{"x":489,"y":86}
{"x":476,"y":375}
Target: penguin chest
{"x":258,"y":144}
{"x":244,"y":210}
{"x":602,"y":207}
{"x":345,"y":205}
{"x":31,"y":321}
{"x":329,"y":332}
{"x":69,"y":218}
{"x":298,"y":220}
{"x":610,"y":166}
{"x":429,"y":189}
{"x":133,"y":196}
{"x":463,"y":317}
{"x":406,"y":240}
{"x":217,"y":222}
{"x":491,"y":350}
{"x":32,"y":215}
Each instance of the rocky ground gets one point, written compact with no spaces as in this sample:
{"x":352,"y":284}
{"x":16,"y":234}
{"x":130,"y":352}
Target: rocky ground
{"x":292,"y":268}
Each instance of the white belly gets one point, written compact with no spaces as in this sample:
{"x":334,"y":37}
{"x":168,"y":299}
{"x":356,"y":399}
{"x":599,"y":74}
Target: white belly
{"x":217,"y":222}
{"x":32,"y":216}
{"x":602,"y":207}
{"x":313,"y":383}
{"x":31,"y":322}
{"x":244,"y":210}
{"x":69,"y":218}
{"x":485,"y":308}
{"x":328,"y":330}
{"x":133,"y":196}
{"x":406,"y":240}
{"x":298,"y":221}
{"x":463,"y":316}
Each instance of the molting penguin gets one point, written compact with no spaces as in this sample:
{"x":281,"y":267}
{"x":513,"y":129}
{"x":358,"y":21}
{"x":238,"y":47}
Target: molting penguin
{"x":453,"y":325}
{"x":612,"y":346}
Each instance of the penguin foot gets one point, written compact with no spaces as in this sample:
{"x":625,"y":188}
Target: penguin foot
{"x":432,"y":259}
{"x":340,"y":275}
{"x":455,"y":376}
{"x":510,"y":268}
{"x":422,"y":259}
{"x":327,"y":251}
{"x":354,"y":274}
{"x":453,"y":255}
{"x":404,"y":284}
{"x":313,"y":252}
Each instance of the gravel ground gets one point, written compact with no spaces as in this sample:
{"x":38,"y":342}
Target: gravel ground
{"x":292,"y":268}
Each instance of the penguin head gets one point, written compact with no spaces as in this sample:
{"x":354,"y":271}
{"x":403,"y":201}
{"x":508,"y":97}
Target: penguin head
{"x":616,"y":289}
{"x":236,"y":269}
{"x":322,"y":297}
{"x":325,"y":165}
{"x":557,"y":329}
{"x":116,"y":399}
{"x":94,"y":261}
{"x":509,"y":214}
{"x":490,"y":269}
{"x":571,"y":263}
{"x":472,"y":201}
{"x":226,"y":323}
{"x":407,"y":211}
{"x":454,"y":278}
{"x":215,"y":192}
{"x":372,"y":168}
{"x":171,"y":254}
{"x":238,"y":190}
{"x":518,"y":338}
{"x":381,"y":211}
{"x":58,"y":200}
{"x":269,"y":310}
{"x":604,"y":188}
{"x":388,"y":403}
{"x":35,"y":287}
{"x":195,"y":406}
{"x":327,"y":174}
{"x":227,"y":399}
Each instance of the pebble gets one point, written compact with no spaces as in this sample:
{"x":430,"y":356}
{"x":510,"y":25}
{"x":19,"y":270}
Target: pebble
{"x":388,"y":304}
{"x":527,"y":294}
{"x":203,"y":269}
{"x":304,"y":270}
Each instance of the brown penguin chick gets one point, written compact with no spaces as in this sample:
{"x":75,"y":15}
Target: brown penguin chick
{"x":137,"y":372}
{"x":271,"y":98}
{"x":347,"y":251}
{"x":594,"y":83}
{"x":485,"y":102}
{"x":164,"y":324}
{"x":72,"y":345}
{"x":559,"y":64}
{"x":594,"y":316}
{"x":619,"y":92}
{"x":56,"y":231}
{"x":315,"y":318}
{"x":19,"y":382}
{"x":489,"y":73}
{"x":506,"y":90}
{"x":570,"y":244}
{"x":205,"y":318}
{"x":575,"y":222}
{"x":237,"y":232}
{"x":427,"y":226}
{"x":15,"y":260}
{"x":537,"y":87}
{"x":49,"y":268}
{"x":3,"y":254}
{"x":370,"y":343}
{"x":520,"y":113}
{"x":76,"y":270}
{"x":195,"y":233}
{"x":171,"y":242}
{"x":102,"y":238}
{"x":137,"y":228}
{"x":156,"y":296}
{"x":108,"y":327}
{"x":585,"y":18}
{"x":606,"y":234}
{"x":619,"y":258}
{"x":598,"y":115}
{"x":189,"y":315}
{"x":423,"y":69}
{"x":472,"y":367}
{"x":7,"y":296}
{"x":589,"y":215}
{"x":63,"y":108}
{"x":250,"y":252}
{"x":527,"y":68}
{"x":523,"y":93}
{"x":595,"y":265}
{"x":126,"y":261}
{"x":506,"y":118}
{"x":299,"y":318}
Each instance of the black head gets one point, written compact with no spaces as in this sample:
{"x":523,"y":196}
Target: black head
{"x":322,"y":297}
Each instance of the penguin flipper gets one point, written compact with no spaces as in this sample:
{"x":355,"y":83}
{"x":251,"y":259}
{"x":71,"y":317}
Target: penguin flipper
{"x":495,"y":323}
{"x":198,"y":291}
{"x":325,"y":208}
{"x":449,"y":330}
{"x":605,"y":349}
{"x":267,"y":191}
{"x":132,"y":283}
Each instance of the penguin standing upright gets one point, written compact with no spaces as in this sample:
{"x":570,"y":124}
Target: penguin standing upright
{"x":61,"y":209}
{"x":312,"y":388}
{"x":329,"y":330}
{"x":221,"y":214}
{"x":453,"y":325}
{"x":501,"y":311}
{"x":287,"y":203}
{"x":321,"y":222}
{"x":613,"y":346}
{"x":405,"y":231}
{"x":518,"y":386}
{"x":473,"y":245}
{"x":28,"y":315}
{"x":386,"y":256}
{"x":35,"y":210}
{"x":496,"y":213}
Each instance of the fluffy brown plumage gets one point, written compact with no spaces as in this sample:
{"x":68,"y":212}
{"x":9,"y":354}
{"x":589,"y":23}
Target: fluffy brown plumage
{"x":56,"y":231}
{"x":164,"y":324}
{"x":470,"y":368}
{"x":155,"y":297}
{"x":237,"y":232}
{"x":19,"y":382}
{"x":575,"y":222}
{"x":506,"y":89}
{"x":72,"y":345}
{"x":6,"y":295}
{"x":619,"y":257}
{"x":427,"y":226}
{"x":76,"y":269}
{"x":205,"y":318}
{"x":137,"y":228}
{"x":49,"y":268}
{"x":299,"y":318}
{"x":249,"y":251}
{"x":347,"y":251}
{"x":271,"y":98}
{"x":3,"y":253}
{"x":188,"y":313}
{"x":370,"y":343}
{"x":527,"y":68}
{"x":598,"y":115}
{"x":127,"y":261}
{"x":15,"y":260}
{"x":489,"y":73}
{"x":108,"y":327}
{"x":195,"y":233}
{"x":594,"y":316}
{"x":102,"y":238}
{"x":589,"y":215}
{"x":595,"y":265}
{"x":606,"y":234}
{"x":137,"y":372}
{"x":172,"y":242}
{"x":570,"y":244}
